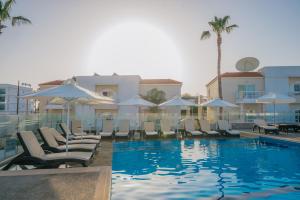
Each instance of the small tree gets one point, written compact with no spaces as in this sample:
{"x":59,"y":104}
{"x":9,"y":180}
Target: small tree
{"x":155,"y":96}
{"x":5,"y":9}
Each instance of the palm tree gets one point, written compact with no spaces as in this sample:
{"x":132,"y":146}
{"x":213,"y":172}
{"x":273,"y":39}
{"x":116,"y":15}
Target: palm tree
{"x":5,"y":8}
{"x":219,"y":26}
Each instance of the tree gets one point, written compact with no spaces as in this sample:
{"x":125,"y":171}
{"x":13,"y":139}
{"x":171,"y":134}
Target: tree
{"x":219,"y":26}
{"x":5,"y":9}
{"x":155,"y":96}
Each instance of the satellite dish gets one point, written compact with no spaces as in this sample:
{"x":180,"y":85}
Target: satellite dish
{"x":247,"y":64}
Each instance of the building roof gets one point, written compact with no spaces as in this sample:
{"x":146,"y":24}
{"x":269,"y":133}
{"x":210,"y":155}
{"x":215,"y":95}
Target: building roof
{"x":56,"y":82}
{"x":159,"y":81}
{"x":242,"y":74}
{"x":238,"y":75}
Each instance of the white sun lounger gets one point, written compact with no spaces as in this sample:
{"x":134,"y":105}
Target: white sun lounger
{"x":66,"y":131}
{"x":224,"y":126}
{"x":166,"y":128}
{"x":34,"y":154}
{"x":51,"y":144}
{"x":107,"y":128}
{"x":62,"y":140}
{"x":190,"y":128}
{"x":262,"y":124}
{"x":149,"y":129}
{"x":205,"y":127}
{"x":123,"y":130}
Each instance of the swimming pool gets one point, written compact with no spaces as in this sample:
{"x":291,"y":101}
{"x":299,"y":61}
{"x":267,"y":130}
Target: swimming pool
{"x":206,"y":169}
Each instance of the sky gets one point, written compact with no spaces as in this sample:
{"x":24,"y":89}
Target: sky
{"x":150,"y":38}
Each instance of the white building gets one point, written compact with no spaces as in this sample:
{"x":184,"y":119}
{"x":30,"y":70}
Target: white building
{"x":243,"y":88}
{"x":8,"y":99}
{"x":120,"y":88}
{"x":124,"y":87}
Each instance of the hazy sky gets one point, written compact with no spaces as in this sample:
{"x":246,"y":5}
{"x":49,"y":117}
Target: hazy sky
{"x":152,"y":38}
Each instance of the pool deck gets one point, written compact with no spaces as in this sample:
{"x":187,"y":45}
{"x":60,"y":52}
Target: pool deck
{"x":290,"y":137}
{"x":78,"y":183}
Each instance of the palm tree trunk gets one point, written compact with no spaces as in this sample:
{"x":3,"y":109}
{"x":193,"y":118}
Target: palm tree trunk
{"x":219,"y":42}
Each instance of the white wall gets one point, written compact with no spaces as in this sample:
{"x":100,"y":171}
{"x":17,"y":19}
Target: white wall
{"x":277,"y":80}
{"x":128,"y":86}
{"x":11,"y":98}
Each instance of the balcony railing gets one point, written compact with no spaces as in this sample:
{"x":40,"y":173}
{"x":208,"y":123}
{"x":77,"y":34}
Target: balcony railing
{"x":248,"y":95}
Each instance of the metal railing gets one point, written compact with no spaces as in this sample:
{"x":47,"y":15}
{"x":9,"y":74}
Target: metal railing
{"x":9,"y":123}
{"x":240,"y":95}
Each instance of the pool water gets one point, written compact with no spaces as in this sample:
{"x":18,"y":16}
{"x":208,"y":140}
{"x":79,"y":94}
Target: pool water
{"x":205,"y":169}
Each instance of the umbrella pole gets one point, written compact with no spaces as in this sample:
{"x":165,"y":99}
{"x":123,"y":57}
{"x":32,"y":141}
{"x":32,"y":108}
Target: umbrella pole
{"x":274,"y":113}
{"x":68,"y":125}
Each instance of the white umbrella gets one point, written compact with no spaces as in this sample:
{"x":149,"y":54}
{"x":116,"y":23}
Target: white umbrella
{"x":273,"y":98}
{"x":69,"y":92}
{"x":138,"y":102}
{"x":177,"y":101}
{"x":218,"y":103}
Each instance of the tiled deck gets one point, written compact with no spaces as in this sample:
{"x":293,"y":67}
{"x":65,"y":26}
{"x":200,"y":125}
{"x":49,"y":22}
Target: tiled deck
{"x":82,"y":183}
{"x":292,"y":137}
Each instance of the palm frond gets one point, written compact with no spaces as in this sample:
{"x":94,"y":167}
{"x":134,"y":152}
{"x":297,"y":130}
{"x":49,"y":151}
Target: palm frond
{"x":18,"y":20}
{"x":231,"y":27}
{"x":4,"y":15}
{"x":225,"y":20}
{"x":8,"y":4}
{"x":205,"y":35}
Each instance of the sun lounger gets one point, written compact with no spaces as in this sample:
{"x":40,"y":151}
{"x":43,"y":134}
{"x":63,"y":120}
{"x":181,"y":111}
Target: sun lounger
{"x":51,"y":144}
{"x":149,"y":129}
{"x":66,"y":131}
{"x":123,"y":130}
{"x":166,"y":128}
{"x":62,"y":140}
{"x":262,"y":124}
{"x":190,"y":128}
{"x":224,"y":127}
{"x":205,"y":127}
{"x":108,"y":128}
{"x":34,"y":154}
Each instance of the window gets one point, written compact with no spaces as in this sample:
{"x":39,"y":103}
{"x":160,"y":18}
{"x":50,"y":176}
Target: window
{"x":2,"y":91}
{"x":297,"y":115}
{"x":246,"y":91}
{"x":2,"y":106}
{"x":297,"y":87}
{"x":2,"y":99}
{"x":107,"y":93}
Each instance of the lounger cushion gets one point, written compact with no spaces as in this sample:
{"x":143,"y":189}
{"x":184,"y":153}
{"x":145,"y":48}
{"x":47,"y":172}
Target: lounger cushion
{"x":233,"y":132}
{"x":212,"y":133}
{"x":121,"y":134}
{"x":196,"y":132}
{"x":80,"y":134}
{"x":69,"y":155}
{"x":151,"y":133}
{"x":269,"y":127}
{"x":85,"y":141}
{"x":169,"y":132}
{"x":78,"y":146}
{"x":105,"y":134}
{"x":93,"y":137}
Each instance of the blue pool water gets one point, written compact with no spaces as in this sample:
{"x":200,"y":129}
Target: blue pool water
{"x":206,"y":169}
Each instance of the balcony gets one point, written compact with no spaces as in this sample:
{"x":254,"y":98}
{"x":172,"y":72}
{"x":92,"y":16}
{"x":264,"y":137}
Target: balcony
{"x":296,"y":95}
{"x":248,"y":96}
